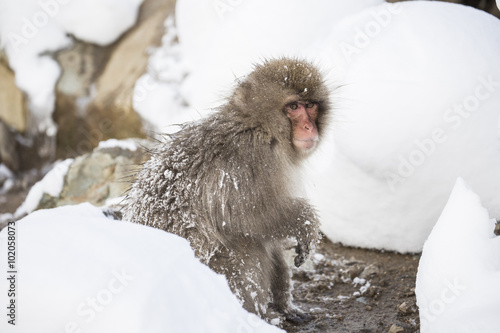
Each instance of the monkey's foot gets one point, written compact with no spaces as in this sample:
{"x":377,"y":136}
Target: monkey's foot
{"x":298,"y":317}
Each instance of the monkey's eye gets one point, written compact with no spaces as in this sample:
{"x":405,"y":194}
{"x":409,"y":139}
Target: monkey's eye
{"x":310,"y":105}
{"x":293,"y":106}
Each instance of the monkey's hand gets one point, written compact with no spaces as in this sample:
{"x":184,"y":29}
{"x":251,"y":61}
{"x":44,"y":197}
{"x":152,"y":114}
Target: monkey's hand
{"x":302,"y":253}
{"x":307,"y":234}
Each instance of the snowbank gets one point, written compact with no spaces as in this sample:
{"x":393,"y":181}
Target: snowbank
{"x":457,"y":281}
{"x":52,"y":184}
{"x":418,"y":103}
{"x":416,"y":110}
{"x":77,"y":270}
{"x":221,"y":40}
{"x":30,"y":28}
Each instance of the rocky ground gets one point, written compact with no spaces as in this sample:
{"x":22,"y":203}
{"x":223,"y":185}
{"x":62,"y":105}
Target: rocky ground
{"x":383,"y":300}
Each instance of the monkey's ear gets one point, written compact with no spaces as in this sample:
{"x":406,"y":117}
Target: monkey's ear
{"x":242,"y":95}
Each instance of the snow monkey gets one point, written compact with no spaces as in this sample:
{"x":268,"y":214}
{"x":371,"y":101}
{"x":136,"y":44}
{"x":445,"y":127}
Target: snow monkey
{"x":226,"y":183}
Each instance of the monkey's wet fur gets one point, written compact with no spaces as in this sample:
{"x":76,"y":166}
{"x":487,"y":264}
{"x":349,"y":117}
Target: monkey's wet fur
{"x":227,"y":183}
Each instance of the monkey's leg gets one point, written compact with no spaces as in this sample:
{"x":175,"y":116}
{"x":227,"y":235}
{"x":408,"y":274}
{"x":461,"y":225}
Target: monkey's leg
{"x":281,"y":289}
{"x":248,"y":272}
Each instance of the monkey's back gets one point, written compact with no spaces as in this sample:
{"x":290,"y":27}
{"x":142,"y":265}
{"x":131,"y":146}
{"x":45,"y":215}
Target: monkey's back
{"x":192,"y":184}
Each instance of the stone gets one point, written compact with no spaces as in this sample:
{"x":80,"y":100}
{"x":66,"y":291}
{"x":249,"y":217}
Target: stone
{"x":12,"y":102}
{"x":128,"y":61}
{"x":8,"y":145}
{"x":98,"y":176}
{"x":396,"y":329}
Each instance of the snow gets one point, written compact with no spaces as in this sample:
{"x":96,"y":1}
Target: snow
{"x":157,"y":95}
{"x":51,"y":184}
{"x":410,"y":117}
{"x":128,"y":144}
{"x":415,"y":105}
{"x":79,"y":271}
{"x":221,"y":40}
{"x":31,"y":28}
{"x":6,"y":178}
{"x":459,"y":269}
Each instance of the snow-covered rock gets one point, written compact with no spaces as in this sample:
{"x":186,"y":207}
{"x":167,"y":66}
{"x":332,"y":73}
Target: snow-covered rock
{"x":77,"y":270}
{"x":31,"y":28}
{"x":51,"y":184}
{"x":457,"y":281}
{"x":99,"y":177}
{"x":417,"y":106}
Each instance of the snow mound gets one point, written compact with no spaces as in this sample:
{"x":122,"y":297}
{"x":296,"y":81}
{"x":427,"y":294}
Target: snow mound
{"x":78,"y":270}
{"x":459,"y":269}
{"x":220,"y":40}
{"x":415,"y":111}
{"x":31,"y":28}
{"x":52,"y":184}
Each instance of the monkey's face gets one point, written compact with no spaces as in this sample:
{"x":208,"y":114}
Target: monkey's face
{"x":288,"y":100}
{"x":303,"y":116}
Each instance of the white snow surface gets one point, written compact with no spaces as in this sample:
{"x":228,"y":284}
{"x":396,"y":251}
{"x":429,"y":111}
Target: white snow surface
{"x":7,"y":178}
{"x":460,"y":269}
{"x":80,"y":271}
{"x":157,"y":94}
{"x":128,"y":144}
{"x":417,"y":103}
{"x":31,"y":28}
{"x":416,"y":110}
{"x":221,"y":40}
{"x":52,"y":183}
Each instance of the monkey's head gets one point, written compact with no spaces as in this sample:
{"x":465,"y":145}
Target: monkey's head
{"x":288,"y":100}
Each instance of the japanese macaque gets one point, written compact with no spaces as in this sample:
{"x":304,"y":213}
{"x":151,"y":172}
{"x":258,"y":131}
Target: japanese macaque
{"x":226,"y":183}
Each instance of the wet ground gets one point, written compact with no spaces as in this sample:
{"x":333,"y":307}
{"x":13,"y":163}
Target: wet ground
{"x":355,"y":290}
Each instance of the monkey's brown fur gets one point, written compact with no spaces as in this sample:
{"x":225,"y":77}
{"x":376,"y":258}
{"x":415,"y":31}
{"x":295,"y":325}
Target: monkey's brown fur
{"x":225,"y":183}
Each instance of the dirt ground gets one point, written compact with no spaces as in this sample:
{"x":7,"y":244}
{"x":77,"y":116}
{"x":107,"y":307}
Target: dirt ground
{"x":383,"y":301}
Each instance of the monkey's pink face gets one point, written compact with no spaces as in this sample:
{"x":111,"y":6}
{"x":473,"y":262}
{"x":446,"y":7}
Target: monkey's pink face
{"x":303,"y":116}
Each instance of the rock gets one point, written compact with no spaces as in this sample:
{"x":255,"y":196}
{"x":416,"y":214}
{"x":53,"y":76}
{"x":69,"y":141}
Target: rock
{"x":98,"y":176}
{"x":396,"y":329}
{"x":8,"y":144}
{"x":12,"y":103}
{"x":369,"y":272}
{"x":128,"y":61}
{"x":94,"y":93}
{"x":403,"y":308}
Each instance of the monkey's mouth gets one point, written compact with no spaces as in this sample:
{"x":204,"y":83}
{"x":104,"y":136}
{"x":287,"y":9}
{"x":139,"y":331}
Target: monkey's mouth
{"x":304,"y":144}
